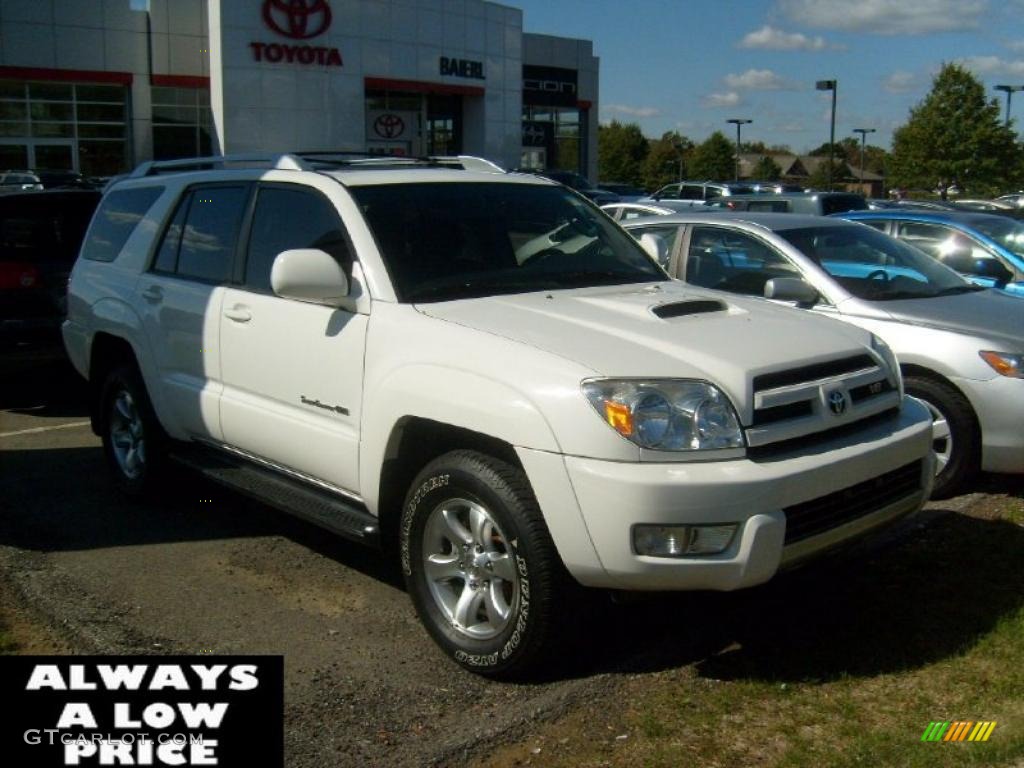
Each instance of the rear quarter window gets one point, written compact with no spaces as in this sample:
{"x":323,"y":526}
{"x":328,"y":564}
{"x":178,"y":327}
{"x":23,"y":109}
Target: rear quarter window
{"x":117,"y":217}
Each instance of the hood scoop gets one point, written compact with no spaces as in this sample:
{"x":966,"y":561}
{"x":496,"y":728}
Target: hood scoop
{"x":685,"y":308}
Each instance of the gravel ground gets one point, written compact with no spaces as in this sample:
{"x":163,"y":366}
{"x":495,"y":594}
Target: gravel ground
{"x":202,"y":569}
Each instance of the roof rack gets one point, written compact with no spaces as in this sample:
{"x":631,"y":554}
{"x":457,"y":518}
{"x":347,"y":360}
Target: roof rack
{"x":277,"y":160}
{"x":309,"y":160}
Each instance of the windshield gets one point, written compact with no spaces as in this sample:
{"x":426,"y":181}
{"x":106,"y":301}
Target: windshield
{"x":466,"y":239}
{"x":874,"y":266}
{"x":1007,"y":232}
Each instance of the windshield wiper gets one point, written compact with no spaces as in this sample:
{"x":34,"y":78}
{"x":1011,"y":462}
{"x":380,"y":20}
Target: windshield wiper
{"x":469,"y":289}
{"x":955,"y":289}
{"x":585,"y":277}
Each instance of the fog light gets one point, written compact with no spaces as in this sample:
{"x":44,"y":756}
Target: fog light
{"x":682,"y":540}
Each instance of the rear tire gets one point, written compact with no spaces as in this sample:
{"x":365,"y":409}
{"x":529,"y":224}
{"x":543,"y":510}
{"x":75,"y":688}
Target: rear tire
{"x":133,"y":441}
{"x":479,"y":564}
{"x":956,"y":435}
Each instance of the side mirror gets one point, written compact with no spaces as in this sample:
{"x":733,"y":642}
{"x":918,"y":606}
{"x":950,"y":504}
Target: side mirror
{"x":791,"y":289}
{"x":655,"y":246}
{"x":309,"y":274}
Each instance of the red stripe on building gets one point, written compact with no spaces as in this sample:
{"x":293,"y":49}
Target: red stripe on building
{"x":584,"y":103}
{"x":179,"y":81}
{"x":65,"y":75}
{"x":420,"y":86}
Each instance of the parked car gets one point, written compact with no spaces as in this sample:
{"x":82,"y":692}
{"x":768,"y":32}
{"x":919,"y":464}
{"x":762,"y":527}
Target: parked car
{"x":814,"y":203}
{"x":485,"y":375}
{"x":1016,"y":199}
{"x":40,"y":234}
{"x":961,"y":347}
{"x":695,"y":193}
{"x":983,"y":206}
{"x":626,"y":193}
{"x":775,"y":187}
{"x":988,"y":250}
{"x":623,"y":211}
{"x":580,"y":183}
{"x":64,"y":180}
{"x":19,"y":181}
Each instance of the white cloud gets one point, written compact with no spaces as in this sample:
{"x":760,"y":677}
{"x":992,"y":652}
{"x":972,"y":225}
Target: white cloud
{"x":1016,"y":45}
{"x":900,"y":82}
{"x":771,"y":39}
{"x":993,"y":65}
{"x":625,"y":109}
{"x":758,"y":80}
{"x":887,"y":17}
{"x":727,"y":99}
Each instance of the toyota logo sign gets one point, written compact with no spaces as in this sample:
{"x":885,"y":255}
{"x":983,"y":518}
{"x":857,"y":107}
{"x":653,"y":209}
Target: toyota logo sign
{"x":297,"y":19}
{"x":837,"y":402}
{"x":389,"y":126}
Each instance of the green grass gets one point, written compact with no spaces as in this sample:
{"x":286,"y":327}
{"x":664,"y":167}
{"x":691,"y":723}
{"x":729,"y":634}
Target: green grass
{"x":842,"y":664}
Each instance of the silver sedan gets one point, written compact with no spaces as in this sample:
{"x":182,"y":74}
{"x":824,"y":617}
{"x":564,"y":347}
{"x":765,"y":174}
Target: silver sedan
{"x":960,"y":346}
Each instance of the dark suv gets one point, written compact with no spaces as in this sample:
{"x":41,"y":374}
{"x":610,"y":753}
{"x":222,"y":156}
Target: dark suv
{"x":814,"y":203}
{"x":40,"y":233}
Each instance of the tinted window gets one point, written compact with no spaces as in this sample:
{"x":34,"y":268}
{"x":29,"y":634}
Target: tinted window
{"x":167,"y":256}
{"x":291,"y":218}
{"x":841,"y":203}
{"x":211,"y":231}
{"x":118,"y":215}
{"x":733,"y":261}
{"x":458,"y":240}
{"x":670,"y":192}
{"x":692,"y":192}
{"x":778,"y":206}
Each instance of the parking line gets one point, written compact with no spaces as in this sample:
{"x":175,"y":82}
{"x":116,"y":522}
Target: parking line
{"x":36,"y":430}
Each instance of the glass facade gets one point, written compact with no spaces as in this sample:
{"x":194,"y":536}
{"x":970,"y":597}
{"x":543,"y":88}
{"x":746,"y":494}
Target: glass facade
{"x":562,"y":132}
{"x":182,"y":123}
{"x":64,"y":126}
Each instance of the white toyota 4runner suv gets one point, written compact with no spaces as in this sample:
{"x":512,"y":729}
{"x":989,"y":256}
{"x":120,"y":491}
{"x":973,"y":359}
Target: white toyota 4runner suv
{"x":484,"y":375}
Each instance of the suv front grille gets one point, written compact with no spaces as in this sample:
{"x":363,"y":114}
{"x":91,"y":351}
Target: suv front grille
{"x":827,"y":512}
{"x":818,"y":399}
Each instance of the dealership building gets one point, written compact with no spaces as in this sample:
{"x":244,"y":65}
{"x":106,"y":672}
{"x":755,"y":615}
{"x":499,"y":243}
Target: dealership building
{"x":101,"y":85}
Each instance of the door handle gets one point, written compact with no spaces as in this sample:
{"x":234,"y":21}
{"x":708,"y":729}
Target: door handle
{"x":239,"y":314}
{"x":153,"y":293}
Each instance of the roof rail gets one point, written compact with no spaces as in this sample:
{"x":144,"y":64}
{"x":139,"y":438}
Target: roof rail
{"x":275,"y":160}
{"x":469,"y":163}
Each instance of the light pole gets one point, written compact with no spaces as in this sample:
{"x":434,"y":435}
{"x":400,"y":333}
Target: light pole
{"x":1010,"y":89}
{"x":739,"y":122}
{"x":830,"y":85}
{"x":863,"y":143}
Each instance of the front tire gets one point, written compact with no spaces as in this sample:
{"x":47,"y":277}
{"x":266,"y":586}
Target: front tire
{"x":133,"y":440}
{"x":956,"y":436}
{"x":479,"y":564}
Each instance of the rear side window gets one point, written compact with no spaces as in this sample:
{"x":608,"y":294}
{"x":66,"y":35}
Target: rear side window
{"x":208,"y":239}
{"x":119,"y":213}
{"x":842,"y":203}
{"x":291,"y":218}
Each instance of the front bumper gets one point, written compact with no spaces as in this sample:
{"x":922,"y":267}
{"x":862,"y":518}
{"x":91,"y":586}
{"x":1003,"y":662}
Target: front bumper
{"x":999,"y":404}
{"x":612,"y":497}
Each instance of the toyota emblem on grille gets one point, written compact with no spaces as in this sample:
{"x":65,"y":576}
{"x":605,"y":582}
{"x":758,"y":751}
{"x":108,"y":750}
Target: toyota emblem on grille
{"x":837,"y":402}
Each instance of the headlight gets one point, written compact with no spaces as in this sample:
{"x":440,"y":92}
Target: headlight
{"x":883,"y":349}
{"x":667,"y":414}
{"x":1005,"y":364}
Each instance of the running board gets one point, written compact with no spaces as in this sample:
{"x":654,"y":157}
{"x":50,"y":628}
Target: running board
{"x":314,"y":505}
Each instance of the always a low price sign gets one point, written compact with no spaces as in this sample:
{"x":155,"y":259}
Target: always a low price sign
{"x":142,"y":710}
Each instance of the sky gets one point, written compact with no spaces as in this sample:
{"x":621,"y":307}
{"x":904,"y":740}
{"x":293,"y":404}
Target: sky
{"x":690,"y":65}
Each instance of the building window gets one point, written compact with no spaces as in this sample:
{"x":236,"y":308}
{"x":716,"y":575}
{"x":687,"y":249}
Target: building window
{"x":182,"y":123}
{"x":558,"y":131}
{"x":64,"y":126}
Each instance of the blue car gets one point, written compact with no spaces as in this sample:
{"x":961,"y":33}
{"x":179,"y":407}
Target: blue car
{"x":986,"y":249}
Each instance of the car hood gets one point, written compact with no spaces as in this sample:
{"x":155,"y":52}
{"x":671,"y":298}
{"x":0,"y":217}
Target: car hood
{"x":989,"y":314}
{"x":615,"y":332}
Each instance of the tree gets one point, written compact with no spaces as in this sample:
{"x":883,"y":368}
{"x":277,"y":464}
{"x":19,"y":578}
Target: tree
{"x":621,"y":150}
{"x":666,"y":160}
{"x":955,"y":136}
{"x":714,"y":159}
{"x":819,"y":176}
{"x":766,"y":169}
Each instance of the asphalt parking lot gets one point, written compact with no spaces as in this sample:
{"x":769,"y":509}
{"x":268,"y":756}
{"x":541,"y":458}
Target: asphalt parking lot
{"x":203,"y":570}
